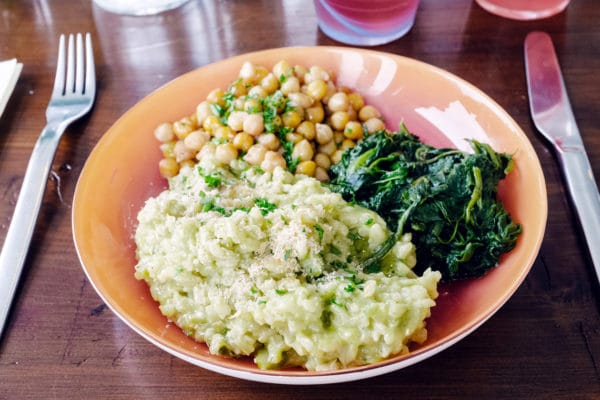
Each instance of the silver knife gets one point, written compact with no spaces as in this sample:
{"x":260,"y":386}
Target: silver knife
{"x":553,"y":117}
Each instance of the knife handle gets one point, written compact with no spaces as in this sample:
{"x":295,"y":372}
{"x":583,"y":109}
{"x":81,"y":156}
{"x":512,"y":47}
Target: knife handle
{"x":582,"y":187}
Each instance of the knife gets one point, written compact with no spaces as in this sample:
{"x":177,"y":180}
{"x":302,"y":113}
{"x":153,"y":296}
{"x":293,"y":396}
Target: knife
{"x":553,"y":117}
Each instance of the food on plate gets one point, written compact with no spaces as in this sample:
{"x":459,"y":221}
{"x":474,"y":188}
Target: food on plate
{"x":266,"y":264}
{"x":290,"y":116}
{"x":445,"y":197}
{"x":286,"y":233}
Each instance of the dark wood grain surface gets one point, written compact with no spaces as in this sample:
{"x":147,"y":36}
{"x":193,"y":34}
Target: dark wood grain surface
{"x":62,"y":342}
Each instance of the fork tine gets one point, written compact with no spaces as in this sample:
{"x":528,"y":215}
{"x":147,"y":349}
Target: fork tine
{"x":90,"y":72}
{"x":70,"y":85}
{"x":59,"y":80}
{"x":79,"y":61}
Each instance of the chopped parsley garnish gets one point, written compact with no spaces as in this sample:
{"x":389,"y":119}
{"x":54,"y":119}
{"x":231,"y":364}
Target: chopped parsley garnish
{"x":319,"y":230}
{"x":213,"y":179}
{"x":334,"y":250}
{"x":264,"y":205}
{"x":353,"y":236}
{"x":272,"y":105}
{"x":210,"y":205}
{"x":350,"y":288}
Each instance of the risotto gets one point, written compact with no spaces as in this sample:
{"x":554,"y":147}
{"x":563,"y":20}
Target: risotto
{"x":267,"y":265}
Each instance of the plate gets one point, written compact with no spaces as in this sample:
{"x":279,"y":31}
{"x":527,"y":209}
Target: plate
{"x":121,"y":173}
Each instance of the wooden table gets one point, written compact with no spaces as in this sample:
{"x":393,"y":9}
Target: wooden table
{"x":61,"y":340}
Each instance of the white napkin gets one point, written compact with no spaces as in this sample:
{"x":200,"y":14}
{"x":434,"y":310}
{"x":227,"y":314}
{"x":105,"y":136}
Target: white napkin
{"x":9,"y":73}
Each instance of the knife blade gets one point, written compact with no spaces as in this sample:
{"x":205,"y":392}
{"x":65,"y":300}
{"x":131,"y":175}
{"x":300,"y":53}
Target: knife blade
{"x":553,"y":117}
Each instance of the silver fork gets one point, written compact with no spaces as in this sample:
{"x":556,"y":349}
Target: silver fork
{"x":72,"y":97}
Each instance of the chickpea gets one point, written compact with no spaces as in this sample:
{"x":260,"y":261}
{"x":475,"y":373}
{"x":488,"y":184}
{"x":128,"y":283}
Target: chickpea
{"x":226,"y":153}
{"x":252,"y":105}
{"x":315,"y":113}
{"x":254,"y":124}
{"x":269,"y":141}
{"x":328,"y":148}
{"x":257,"y":92}
{"x":168,"y":167}
{"x":183,"y":127}
{"x":290,"y":85}
{"x":238,"y":103}
{"x":318,"y":73}
{"x":259,"y":73}
{"x":207,"y":151}
{"x":321,"y":174}
{"x":293,"y":137}
{"x":291,"y":119}
{"x":324,"y":133}
{"x":299,"y":72}
{"x":356,"y":101}
{"x":216,"y":97}
{"x":373,"y":125}
{"x":331,"y":90}
{"x":243,"y":141}
{"x":211,"y":123}
{"x":338,"y":102}
{"x":236,"y":120}
{"x":182,"y":152}
{"x":164,"y":132}
{"x":270,"y":83}
{"x":238,"y":89}
{"x":339,"y":119}
{"x":223,"y":133}
{"x":187,"y":163}
{"x":255,"y":154}
{"x":322,"y":160}
{"x":195,"y":140}
{"x":336,"y":156}
{"x":300,"y":100}
{"x":338,"y":137}
{"x":248,"y":72}
{"x":316,"y":89}
{"x":306,"y":129}
{"x":167,"y":149}
{"x":306,"y":168}
{"x":353,"y":130}
{"x":352,"y":114}
{"x":368,"y":112}
{"x":303,"y":150}
{"x":202,"y":112}
{"x":271,"y":161}
{"x":347,"y":144}
{"x":282,"y":69}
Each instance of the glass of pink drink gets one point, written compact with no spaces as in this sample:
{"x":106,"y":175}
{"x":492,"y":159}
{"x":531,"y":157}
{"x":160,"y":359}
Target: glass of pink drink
{"x":524,"y":9}
{"x":366,"y":22}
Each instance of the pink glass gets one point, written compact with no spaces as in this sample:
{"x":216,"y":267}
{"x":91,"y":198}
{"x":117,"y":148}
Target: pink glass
{"x":524,"y":9}
{"x":366,"y":22}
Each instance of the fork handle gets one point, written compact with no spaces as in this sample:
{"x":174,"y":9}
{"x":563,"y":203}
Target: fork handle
{"x":20,"y":231}
{"x":586,"y":199}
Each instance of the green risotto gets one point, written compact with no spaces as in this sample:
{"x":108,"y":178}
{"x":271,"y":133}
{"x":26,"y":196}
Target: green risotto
{"x":268,"y":265}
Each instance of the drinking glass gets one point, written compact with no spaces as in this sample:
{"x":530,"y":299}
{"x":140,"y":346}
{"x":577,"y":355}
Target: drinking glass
{"x":366,"y":22}
{"x":139,"y":7}
{"x":524,"y":9}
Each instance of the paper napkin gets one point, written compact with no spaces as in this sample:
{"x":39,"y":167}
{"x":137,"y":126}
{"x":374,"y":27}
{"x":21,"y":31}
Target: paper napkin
{"x":9,"y":73}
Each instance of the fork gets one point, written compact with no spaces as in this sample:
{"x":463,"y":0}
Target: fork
{"x":72,"y":97}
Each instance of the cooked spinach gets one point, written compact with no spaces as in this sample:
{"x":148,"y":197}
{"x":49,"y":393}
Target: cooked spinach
{"x":445,"y":197}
